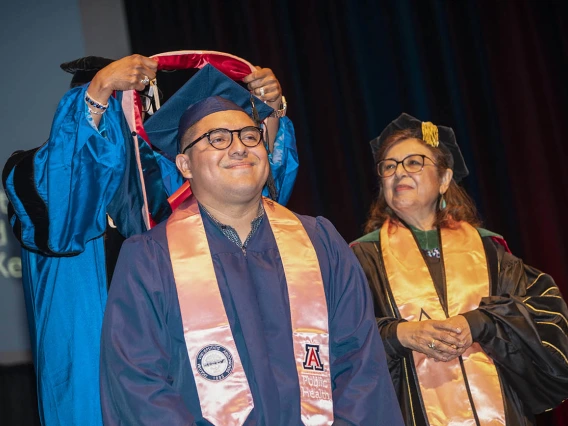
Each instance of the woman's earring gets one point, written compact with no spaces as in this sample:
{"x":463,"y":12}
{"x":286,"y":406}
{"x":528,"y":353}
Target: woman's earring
{"x":442,"y":202}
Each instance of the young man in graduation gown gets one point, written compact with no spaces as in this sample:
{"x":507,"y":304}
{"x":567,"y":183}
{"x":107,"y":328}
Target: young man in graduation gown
{"x":237,"y":311}
{"x":63,"y":196}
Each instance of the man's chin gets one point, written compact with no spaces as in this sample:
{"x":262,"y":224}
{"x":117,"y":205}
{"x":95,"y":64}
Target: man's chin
{"x":241,"y":191}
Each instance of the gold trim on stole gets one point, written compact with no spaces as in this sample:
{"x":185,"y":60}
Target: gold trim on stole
{"x":197,"y":287}
{"x":442,"y":385}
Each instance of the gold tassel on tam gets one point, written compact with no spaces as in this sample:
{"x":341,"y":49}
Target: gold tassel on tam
{"x":430,"y":133}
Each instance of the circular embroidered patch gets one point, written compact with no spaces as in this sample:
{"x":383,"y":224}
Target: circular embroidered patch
{"x":214,"y":362}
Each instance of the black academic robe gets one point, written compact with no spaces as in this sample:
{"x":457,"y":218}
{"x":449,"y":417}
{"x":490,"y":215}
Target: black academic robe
{"x":526,"y":338}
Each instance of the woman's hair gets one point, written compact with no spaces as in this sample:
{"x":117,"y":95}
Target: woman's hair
{"x":459,"y":205}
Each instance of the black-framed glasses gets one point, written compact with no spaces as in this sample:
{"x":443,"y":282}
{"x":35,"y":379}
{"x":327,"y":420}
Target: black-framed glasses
{"x":148,"y":102}
{"x":221,"y":139}
{"x":412,"y":163}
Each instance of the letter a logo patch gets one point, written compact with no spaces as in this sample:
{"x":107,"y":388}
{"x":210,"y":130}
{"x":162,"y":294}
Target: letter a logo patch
{"x":312,"y":360}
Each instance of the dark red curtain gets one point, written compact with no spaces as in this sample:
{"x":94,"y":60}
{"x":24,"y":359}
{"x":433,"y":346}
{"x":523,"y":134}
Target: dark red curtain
{"x":493,"y":70}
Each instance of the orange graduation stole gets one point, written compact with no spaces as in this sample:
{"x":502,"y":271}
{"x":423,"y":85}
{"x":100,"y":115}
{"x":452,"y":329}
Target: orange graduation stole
{"x":443,"y":387}
{"x":222,"y":386}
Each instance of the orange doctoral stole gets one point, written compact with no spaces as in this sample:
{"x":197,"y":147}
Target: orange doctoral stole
{"x":444,"y":385}
{"x":222,"y":386}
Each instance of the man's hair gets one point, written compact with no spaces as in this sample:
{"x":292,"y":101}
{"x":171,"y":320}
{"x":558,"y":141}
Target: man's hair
{"x":187,"y":138}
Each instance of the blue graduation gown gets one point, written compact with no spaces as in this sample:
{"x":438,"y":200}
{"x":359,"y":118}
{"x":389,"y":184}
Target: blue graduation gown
{"x":60,"y":194}
{"x":146,"y":378}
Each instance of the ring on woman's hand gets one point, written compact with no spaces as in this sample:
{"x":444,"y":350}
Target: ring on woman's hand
{"x":145,"y":80}
{"x":262,"y":92}
{"x":432,"y":344}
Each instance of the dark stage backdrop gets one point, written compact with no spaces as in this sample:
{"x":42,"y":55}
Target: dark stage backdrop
{"x":493,"y":70}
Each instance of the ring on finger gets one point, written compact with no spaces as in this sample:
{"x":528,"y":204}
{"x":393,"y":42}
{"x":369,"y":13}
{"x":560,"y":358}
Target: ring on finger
{"x":261,"y":92}
{"x":145,"y":80}
{"x":432,"y":344}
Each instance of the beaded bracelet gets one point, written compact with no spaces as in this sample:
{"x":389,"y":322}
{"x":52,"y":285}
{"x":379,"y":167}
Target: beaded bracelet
{"x":89,"y":99}
{"x":92,"y":111}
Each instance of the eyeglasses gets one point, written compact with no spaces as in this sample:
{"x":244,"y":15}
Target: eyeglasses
{"x":221,"y":139}
{"x":148,"y":102}
{"x":413,"y":163}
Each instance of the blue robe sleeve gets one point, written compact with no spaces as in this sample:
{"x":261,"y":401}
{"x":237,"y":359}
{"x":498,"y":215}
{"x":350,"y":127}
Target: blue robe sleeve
{"x":136,"y":346}
{"x":59,"y":192}
{"x":284,"y":161}
{"x":363,"y":393}
{"x":171,"y":176}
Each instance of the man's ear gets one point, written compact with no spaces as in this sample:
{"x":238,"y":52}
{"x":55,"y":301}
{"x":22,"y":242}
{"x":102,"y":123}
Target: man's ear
{"x":183,"y":164}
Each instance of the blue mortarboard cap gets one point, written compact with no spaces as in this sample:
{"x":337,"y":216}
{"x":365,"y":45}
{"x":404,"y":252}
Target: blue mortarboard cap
{"x":162,"y":127}
{"x":202,"y":109}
